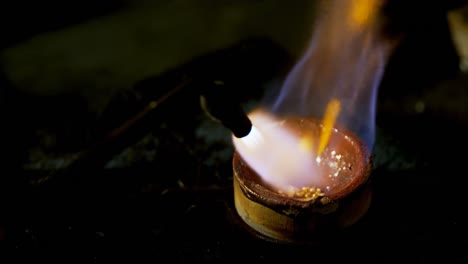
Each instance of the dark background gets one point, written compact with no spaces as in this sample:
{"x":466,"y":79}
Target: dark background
{"x":161,"y":189}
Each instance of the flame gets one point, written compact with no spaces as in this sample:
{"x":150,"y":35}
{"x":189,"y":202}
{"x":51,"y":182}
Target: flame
{"x":306,"y":143}
{"x":331,"y":113}
{"x":341,"y":63}
{"x":362,"y":12}
{"x":280,"y":156}
{"x":335,"y":81}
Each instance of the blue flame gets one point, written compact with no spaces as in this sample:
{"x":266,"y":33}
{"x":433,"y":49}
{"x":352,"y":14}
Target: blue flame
{"x":340,"y":63}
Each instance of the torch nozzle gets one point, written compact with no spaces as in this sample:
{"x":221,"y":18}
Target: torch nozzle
{"x":220,"y":106}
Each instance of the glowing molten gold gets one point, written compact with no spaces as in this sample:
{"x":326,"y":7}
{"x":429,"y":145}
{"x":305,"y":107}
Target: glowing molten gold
{"x":331,"y":113}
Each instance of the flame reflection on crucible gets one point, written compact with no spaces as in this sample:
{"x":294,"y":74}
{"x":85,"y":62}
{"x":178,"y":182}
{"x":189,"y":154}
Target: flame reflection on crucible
{"x":341,"y":71}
